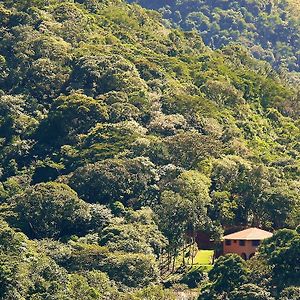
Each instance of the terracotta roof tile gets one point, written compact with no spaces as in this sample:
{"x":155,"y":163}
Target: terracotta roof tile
{"x":249,"y":234}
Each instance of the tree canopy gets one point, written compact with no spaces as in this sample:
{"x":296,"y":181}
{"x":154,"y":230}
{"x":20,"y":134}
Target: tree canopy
{"x":122,"y":137}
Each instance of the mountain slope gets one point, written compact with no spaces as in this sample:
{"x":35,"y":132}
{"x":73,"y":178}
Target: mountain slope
{"x":269,"y":29}
{"x":118,"y":135}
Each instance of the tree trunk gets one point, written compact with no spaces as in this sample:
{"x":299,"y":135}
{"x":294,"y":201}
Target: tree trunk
{"x":169,"y":259}
{"x":174,"y":260}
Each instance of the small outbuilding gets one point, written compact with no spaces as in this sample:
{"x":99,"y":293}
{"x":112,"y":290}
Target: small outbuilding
{"x":245,"y":242}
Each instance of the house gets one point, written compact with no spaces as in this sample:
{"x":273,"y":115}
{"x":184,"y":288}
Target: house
{"x":245,"y":242}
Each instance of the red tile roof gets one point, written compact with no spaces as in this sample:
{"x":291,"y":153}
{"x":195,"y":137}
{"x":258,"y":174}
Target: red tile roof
{"x":249,"y":234}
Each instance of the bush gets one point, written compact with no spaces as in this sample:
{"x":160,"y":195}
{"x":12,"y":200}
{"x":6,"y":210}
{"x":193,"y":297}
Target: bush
{"x":193,"y":278}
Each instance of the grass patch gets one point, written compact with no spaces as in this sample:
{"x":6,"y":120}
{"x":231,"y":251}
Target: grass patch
{"x":204,"y":257}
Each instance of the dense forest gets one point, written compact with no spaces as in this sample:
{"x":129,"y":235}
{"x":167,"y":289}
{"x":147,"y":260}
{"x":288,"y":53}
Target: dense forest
{"x":121,"y":137}
{"x":270,"y":29}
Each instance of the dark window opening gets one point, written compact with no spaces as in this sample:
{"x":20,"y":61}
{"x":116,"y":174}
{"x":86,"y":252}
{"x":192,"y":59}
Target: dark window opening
{"x":227,"y":242}
{"x":255,"y":243}
{"x":241,"y":242}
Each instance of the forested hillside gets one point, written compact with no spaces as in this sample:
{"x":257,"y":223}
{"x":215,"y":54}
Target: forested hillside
{"x":270,"y":29}
{"x":118,"y":136}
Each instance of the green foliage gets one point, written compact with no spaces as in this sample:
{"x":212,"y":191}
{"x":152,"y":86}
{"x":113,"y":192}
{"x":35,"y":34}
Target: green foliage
{"x":250,"y":292}
{"x":256,"y":187}
{"x":70,"y":117}
{"x":24,"y":272}
{"x":84,"y":257}
{"x":110,"y":140}
{"x":119,"y":135}
{"x":173,"y":215}
{"x":281,"y":251}
{"x":193,"y":278}
{"x":235,"y":268}
{"x":50,"y":210}
{"x":290,"y":293}
{"x":90,"y":285}
{"x":110,"y":180}
{"x":265,"y":27}
{"x":189,"y":148}
{"x":133,"y":238}
{"x":133,"y":270}
{"x":153,"y":292}
{"x":103,"y":74}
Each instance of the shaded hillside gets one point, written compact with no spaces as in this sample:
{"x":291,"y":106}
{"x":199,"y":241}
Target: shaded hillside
{"x":269,"y":29}
{"x":119,"y":135}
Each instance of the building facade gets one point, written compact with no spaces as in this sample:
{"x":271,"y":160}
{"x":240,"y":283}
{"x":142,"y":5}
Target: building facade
{"x":245,"y":242}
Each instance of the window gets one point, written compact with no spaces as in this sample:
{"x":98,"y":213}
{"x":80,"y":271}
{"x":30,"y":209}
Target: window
{"x":241,"y":242}
{"x":255,"y":243}
{"x":227,"y":242}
